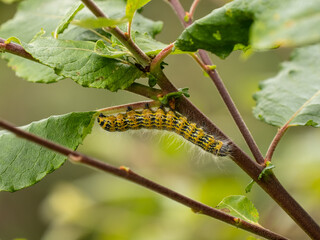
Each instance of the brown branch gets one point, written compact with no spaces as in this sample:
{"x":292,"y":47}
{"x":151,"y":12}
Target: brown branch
{"x":193,"y":8}
{"x":269,"y":184}
{"x":136,"y":88}
{"x":181,"y":13}
{"x":188,"y":109}
{"x":177,"y":7}
{"x":232,"y":108}
{"x":131,"y":176}
{"x":156,"y":62}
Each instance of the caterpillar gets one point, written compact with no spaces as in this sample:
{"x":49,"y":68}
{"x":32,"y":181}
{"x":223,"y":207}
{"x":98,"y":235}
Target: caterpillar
{"x":164,"y":121}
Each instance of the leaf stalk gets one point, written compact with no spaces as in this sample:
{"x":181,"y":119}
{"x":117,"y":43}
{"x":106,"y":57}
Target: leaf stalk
{"x":15,"y":49}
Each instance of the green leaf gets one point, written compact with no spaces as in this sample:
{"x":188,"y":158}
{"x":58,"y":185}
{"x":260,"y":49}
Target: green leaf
{"x":152,"y":81}
{"x":64,"y":23}
{"x":147,"y":44}
{"x":23,"y":163}
{"x":78,"y":61}
{"x":249,"y":186}
{"x":9,"y":1}
{"x":25,"y":69}
{"x":185,"y":91}
{"x":133,"y":6}
{"x":33,"y":15}
{"x":181,"y":91}
{"x":110,"y":52}
{"x":220,"y":31}
{"x":288,"y":23}
{"x":26,"y":29}
{"x":241,"y":207}
{"x":267,"y":170}
{"x":99,"y":22}
{"x":293,"y":93}
{"x":262,"y":24}
{"x":54,"y":11}
{"x":13,"y":39}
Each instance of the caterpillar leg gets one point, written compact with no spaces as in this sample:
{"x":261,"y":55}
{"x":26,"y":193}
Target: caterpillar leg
{"x":167,"y":121}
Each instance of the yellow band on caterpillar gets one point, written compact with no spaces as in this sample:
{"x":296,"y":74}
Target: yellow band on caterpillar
{"x":166,"y":121}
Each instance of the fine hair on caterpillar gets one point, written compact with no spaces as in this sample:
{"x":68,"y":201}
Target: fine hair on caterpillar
{"x":164,"y":120}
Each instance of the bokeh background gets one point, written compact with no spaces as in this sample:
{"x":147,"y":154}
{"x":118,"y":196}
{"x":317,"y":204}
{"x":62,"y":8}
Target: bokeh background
{"x":76,"y":202}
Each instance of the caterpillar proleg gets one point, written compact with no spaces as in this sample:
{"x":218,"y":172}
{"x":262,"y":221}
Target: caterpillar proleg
{"x":164,"y":121}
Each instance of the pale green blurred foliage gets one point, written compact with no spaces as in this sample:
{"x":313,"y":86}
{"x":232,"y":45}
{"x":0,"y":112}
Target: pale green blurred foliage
{"x":115,"y":209}
{"x":76,"y":202}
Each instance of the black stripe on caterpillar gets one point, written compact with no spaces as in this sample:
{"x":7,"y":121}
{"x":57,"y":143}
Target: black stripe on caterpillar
{"x":164,"y":121}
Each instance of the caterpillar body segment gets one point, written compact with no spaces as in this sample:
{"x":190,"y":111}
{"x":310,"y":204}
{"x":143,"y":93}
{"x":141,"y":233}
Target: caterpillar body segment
{"x":164,"y":121}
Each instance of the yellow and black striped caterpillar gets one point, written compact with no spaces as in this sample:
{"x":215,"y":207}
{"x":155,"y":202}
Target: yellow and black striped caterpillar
{"x":164,"y":121}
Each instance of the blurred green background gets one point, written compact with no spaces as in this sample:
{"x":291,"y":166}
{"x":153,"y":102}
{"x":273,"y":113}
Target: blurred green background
{"x":76,"y":202}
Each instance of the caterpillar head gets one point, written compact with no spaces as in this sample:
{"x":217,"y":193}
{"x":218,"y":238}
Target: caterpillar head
{"x":107,"y":122}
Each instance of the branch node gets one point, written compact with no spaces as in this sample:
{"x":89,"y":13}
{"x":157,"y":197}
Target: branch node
{"x":75,"y":158}
{"x":127,"y":35}
{"x":237,"y":221}
{"x":196,"y":210}
{"x":187,"y":17}
{"x":124,"y":168}
{"x":210,"y":67}
{"x":156,"y":62}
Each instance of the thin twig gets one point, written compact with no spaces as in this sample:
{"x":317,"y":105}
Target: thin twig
{"x":275,"y":142}
{"x":181,"y":13}
{"x":193,"y":9}
{"x":131,"y":176}
{"x":15,"y":49}
{"x":232,"y":108}
{"x":156,"y":62}
{"x":179,"y":10}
